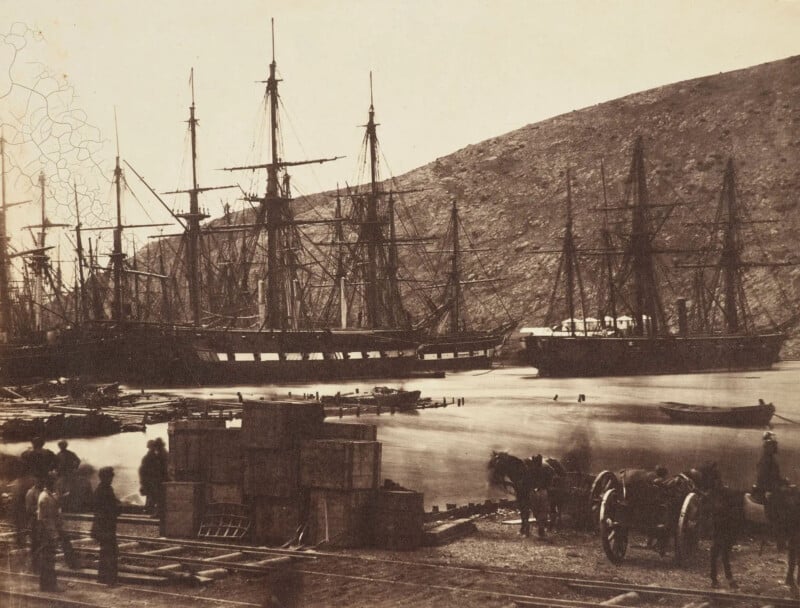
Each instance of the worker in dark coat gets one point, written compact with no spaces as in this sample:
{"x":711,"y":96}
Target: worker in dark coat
{"x":31,"y":507}
{"x":104,"y":527}
{"x":727,"y":519}
{"x":768,"y":473}
{"x":38,"y":460}
{"x":48,"y":521}
{"x":153,"y":472}
{"x":67,"y":463}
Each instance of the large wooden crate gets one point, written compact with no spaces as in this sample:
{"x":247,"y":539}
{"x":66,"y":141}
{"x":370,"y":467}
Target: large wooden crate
{"x":340,"y":464}
{"x":398,"y":519}
{"x":274,"y":473}
{"x":278,"y":425}
{"x":224,"y":492}
{"x":349,"y":430}
{"x":341,"y":518}
{"x":183,"y":508}
{"x":276,"y":520}
{"x":188,"y":447}
{"x":226,"y":456}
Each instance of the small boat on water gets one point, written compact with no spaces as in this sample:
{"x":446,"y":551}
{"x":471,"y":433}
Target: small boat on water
{"x":749,"y":415}
{"x":380,"y":396}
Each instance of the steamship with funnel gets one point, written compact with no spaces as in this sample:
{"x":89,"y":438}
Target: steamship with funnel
{"x":645,"y":345}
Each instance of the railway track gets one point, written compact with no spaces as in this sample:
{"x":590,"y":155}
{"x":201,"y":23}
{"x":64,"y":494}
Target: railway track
{"x":159,"y":561}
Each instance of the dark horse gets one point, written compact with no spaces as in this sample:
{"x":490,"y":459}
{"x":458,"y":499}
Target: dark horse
{"x":531,"y":481}
{"x":783,"y":511}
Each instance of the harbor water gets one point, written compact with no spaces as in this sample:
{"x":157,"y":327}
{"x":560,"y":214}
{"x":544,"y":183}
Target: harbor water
{"x":443,"y":452}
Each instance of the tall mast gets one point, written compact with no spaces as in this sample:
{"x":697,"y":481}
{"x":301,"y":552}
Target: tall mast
{"x":569,"y":257}
{"x":40,"y":260}
{"x":731,"y":250}
{"x":647,"y":302}
{"x":193,"y":219}
{"x":117,"y":256}
{"x":455,"y":274}
{"x":612,"y":296}
{"x":373,"y":229}
{"x":5,"y":274}
{"x":81,"y":292}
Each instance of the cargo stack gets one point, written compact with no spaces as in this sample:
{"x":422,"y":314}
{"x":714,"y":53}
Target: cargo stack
{"x":342,"y":476}
{"x":272,"y":433}
{"x":290,"y":469}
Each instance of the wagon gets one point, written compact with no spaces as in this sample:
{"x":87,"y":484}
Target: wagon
{"x":666,"y":510}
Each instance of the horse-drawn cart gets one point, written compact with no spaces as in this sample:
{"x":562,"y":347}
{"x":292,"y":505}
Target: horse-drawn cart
{"x":666,"y":509}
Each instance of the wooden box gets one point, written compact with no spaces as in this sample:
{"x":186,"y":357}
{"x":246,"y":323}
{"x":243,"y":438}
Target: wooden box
{"x":340,"y":464}
{"x":349,"y":430}
{"x":278,"y":425}
{"x":398,"y":520}
{"x":224,"y":492}
{"x":226,"y":457}
{"x":276,"y":520}
{"x":188,"y":447}
{"x":274,"y":473}
{"x":341,"y":518}
{"x":183,"y":508}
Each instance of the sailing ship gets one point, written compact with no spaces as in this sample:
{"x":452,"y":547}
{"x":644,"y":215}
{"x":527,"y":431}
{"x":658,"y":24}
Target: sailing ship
{"x":648,"y":346}
{"x":459,"y":347}
{"x":250,"y":318}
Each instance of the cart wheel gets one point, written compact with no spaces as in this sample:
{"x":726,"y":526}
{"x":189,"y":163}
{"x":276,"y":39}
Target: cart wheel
{"x":613,"y":532}
{"x":601,"y":484}
{"x":688,"y":531}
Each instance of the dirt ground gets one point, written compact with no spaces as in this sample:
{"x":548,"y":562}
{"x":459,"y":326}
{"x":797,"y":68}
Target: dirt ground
{"x":494,"y":566}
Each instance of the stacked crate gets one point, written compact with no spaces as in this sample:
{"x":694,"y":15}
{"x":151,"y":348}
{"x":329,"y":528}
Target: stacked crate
{"x":271,"y":436}
{"x":183,"y":508}
{"x":343,"y":476}
{"x":398,"y":519}
{"x":225,"y":473}
{"x":188,"y":448}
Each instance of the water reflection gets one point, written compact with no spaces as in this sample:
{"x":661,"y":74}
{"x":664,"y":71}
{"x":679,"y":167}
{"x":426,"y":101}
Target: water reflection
{"x":443,"y":452}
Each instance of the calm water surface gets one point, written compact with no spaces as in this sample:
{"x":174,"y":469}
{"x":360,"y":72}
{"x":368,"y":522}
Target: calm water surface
{"x":443,"y":452}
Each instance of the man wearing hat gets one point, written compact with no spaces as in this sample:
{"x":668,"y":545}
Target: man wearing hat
{"x":38,"y":460}
{"x":149,"y":474}
{"x":67,"y":463}
{"x":104,"y":527}
{"x":49,"y":529}
{"x":768,"y":473}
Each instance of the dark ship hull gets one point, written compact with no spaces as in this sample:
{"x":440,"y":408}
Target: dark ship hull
{"x":566,"y":356}
{"x":182,"y":355}
{"x":460,"y":352}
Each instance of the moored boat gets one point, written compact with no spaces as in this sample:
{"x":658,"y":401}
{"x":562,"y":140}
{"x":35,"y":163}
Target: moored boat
{"x":748,"y":415}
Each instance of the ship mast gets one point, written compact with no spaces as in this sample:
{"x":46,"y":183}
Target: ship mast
{"x":373,"y":228}
{"x":83,"y":312}
{"x":5,"y":274}
{"x":731,"y":260}
{"x":40,"y":260}
{"x":455,"y":274}
{"x":274,"y":217}
{"x":117,"y":255}
{"x":607,"y":245}
{"x":647,"y":302}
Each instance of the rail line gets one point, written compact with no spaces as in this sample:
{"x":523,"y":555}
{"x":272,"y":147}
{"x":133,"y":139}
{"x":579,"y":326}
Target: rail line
{"x":204,"y":561}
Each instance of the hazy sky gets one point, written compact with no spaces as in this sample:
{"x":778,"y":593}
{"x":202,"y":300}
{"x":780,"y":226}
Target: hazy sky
{"x":446,"y":73}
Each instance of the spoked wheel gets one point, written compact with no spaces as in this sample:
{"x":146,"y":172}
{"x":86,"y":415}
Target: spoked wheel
{"x":613,"y":531}
{"x":688,"y":531}
{"x":601,"y":484}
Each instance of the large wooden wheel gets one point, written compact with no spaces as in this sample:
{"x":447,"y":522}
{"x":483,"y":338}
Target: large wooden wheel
{"x":605,"y":481}
{"x":688,"y":531}
{"x":613,"y":528}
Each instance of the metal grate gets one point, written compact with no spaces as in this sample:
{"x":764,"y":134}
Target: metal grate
{"x":225,"y":520}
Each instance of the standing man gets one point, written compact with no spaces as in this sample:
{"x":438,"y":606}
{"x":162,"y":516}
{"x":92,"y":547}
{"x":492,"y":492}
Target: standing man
{"x":148,"y":476}
{"x":67,"y":463}
{"x":162,"y":473}
{"x":38,"y":460}
{"x":49,"y":524}
{"x":104,"y":528}
{"x":31,"y":508}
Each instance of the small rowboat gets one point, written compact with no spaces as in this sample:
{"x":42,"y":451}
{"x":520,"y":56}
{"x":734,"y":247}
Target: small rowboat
{"x":749,"y":415}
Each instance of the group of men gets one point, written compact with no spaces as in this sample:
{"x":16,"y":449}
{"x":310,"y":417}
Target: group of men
{"x":153,"y":472}
{"x":53,"y":476}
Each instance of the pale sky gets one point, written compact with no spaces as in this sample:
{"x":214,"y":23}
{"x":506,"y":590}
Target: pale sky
{"x":446,"y":73}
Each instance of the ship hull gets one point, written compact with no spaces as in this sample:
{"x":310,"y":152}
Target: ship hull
{"x":459,"y":352}
{"x":567,"y":356}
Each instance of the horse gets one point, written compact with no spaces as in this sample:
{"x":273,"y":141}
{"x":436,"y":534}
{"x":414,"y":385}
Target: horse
{"x":530,"y":481}
{"x":782,"y":508}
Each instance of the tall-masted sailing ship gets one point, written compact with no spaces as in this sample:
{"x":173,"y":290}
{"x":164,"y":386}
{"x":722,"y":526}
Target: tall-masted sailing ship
{"x":644,"y":344}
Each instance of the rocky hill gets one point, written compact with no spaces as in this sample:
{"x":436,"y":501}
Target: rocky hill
{"x":512,"y":189}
